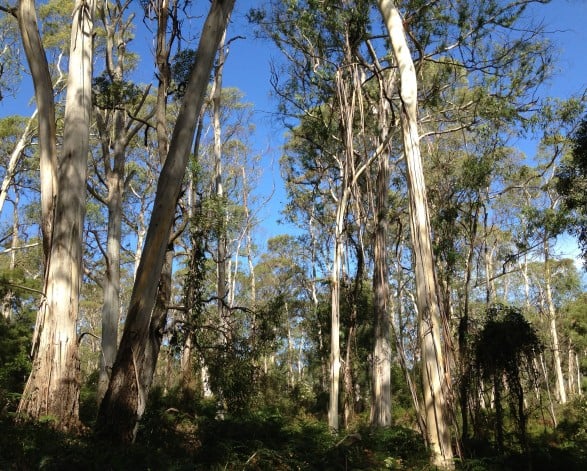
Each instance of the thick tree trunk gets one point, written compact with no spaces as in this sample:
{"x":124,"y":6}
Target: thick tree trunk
{"x":53,"y":385}
{"x":434,"y":381}
{"x":121,"y":408}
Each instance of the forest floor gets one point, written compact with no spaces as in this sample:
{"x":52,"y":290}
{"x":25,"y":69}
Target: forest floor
{"x":187,"y":434}
{"x":172,"y":439}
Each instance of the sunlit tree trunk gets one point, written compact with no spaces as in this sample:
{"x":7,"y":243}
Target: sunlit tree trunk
{"x":463,"y":331}
{"x":290,"y":350}
{"x":39,"y":68}
{"x":571,"y":377}
{"x":124,"y":401}
{"x":315,"y":302}
{"x":337,"y":253}
{"x":560,"y":382}
{"x":579,"y":376}
{"x":434,"y":380}
{"x":221,"y":252}
{"x":547,"y":385}
{"x":53,"y":386}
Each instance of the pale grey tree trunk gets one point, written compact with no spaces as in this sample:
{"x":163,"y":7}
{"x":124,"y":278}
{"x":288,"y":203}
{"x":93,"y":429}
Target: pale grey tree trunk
{"x":571,"y":377}
{"x":560,"y":381}
{"x":579,"y":375}
{"x":39,"y":68}
{"x":123,"y":403}
{"x":221,"y":250}
{"x":547,"y":385}
{"x":434,"y":380}
{"x":382,"y":350}
{"x":53,"y":385}
{"x":116,"y":131}
{"x":334,"y":387}
{"x":115,"y":182}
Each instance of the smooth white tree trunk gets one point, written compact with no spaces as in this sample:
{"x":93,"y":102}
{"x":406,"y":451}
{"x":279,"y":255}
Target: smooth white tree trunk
{"x":53,"y":385}
{"x":47,"y":134}
{"x":434,"y":380}
{"x":560,"y":381}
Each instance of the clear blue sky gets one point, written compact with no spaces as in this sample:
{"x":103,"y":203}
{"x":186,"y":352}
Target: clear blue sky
{"x":248,"y":69}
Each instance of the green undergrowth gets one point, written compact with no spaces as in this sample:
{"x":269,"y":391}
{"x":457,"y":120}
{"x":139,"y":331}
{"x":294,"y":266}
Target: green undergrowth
{"x":188,"y":435}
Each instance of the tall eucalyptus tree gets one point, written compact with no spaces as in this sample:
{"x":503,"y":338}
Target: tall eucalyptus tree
{"x":125,"y":399}
{"x":434,"y":378}
{"x":53,"y":386}
{"x":117,"y":101}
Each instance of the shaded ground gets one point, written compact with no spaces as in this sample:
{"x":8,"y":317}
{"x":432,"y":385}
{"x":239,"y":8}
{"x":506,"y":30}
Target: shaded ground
{"x":172,"y":440}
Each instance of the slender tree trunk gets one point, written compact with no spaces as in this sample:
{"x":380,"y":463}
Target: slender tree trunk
{"x":121,"y":408}
{"x":8,"y":298}
{"x":349,"y":384}
{"x":15,"y":157}
{"x":221,"y":253}
{"x":335,"y":324}
{"x":290,"y":350}
{"x":397,"y":334}
{"x":547,"y":385}
{"x":434,"y":380}
{"x":39,"y":67}
{"x":381,"y":408}
{"x":315,"y":303}
{"x":162,"y":52}
{"x":571,"y":377}
{"x":115,"y":135}
{"x":111,"y":282}
{"x":560,"y":382}
{"x":464,"y":354}
{"x":53,"y":385}
{"x":579,"y":376}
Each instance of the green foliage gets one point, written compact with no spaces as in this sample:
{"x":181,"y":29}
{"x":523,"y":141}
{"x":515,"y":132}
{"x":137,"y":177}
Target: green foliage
{"x":10,"y":56}
{"x":504,"y":350}
{"x":574,"y":318}
{"x":55,"y":17}
{"x":181,"y":67}
{"x":572,"y":427}
{"x":15,"y":364}
{"x":109,"y":94}
{"x":572,"y":184}
{"x":185,"y":435}
{"x":506,"y":342}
